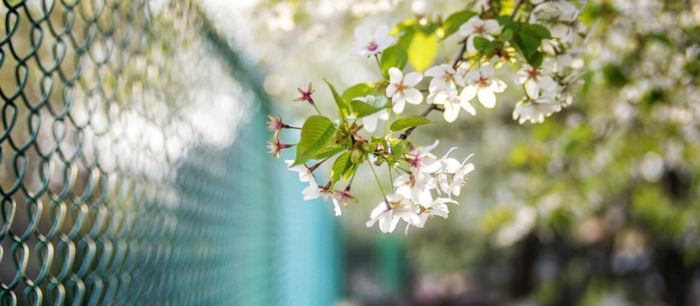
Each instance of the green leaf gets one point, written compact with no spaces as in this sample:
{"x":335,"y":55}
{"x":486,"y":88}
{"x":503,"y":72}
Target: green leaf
{"x":350,"y":171}
{"x":403,"y":26}
{"x":380,"y":101}
{"x":394,"y":56}
{"x":480,"y":43}
{"x":485,"y":46}
{"x":537,"y":30}
{"x":506,"y":35}
{"x":529,"y":42}
{"x":454,"y":21}
{"x":362,"y":109}
{"x":406,"y":38}
{"x":328,"y":152}
{"x":398,"y":147}
{"x":343,"y":108}
{"x":535,"y":59}
{"x":428,"y":29}
{"x":408,"y":122}
{"x":422,"y":50}
{"x":341,"y":164}
{"x":506,"y":22}
{"x":358,"y":90}
{"x":317,"y":134}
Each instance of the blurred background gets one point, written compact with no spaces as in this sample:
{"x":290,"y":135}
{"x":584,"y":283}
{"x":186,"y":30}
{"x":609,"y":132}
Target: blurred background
{"x":133,"y":167}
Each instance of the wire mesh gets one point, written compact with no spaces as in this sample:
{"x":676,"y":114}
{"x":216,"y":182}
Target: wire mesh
{"x":120,"y":180}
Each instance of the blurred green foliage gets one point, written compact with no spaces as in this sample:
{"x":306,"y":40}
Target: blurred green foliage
{"x":614,"y":179}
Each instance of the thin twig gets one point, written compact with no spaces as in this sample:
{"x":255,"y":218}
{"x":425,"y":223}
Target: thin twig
{"x":379,"y":183}
{"x":460,"y":57}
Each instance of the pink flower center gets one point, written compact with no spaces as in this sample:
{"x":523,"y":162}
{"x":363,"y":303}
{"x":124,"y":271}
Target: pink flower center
{"x":306,"y":96}
{"x":415,"y":162}
{"x":483,"y":82}
{"x":448,"y":77}
{"x":372,"y":46}
{"x":533,"y":74}
{"x":400,"y":87}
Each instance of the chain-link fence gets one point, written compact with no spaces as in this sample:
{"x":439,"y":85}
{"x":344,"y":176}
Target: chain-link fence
{"x":132,"y":165}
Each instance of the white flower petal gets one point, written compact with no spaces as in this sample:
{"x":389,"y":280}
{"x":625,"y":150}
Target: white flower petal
{"x":468,"y":93}
{"x":402,"y":180}
{"x":458,"y":79}
{"x":466,"y":29}
{"x":388,"y":224}
{"x":412,"y":79}
{"x":336,"y":208}
{"x":362,"y":35}
{"x":431,"y":167}
{"x":435,"y":71}
{"x":487,"y":97}
{"x":522,"y":75}
{"x":491,"y":26}
{"x":395,"y":75}
{"x":381,"y":32}
{"x":391,"y":90}
{"x":531,"y":89}
{"x":370,"y":123}
{"x":498,"y":85}
{"x":413,"y":96}
{"x":399,"y":103}
{"x":429,"y":148}
{"x":468,"y":107}
{"x":472,"y":76}
{"x":470,"y":44}
{"x":451,"y":112}
{"x":487,"y":71}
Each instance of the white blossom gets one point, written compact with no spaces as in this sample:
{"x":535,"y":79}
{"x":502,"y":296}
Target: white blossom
{"x":453,"y":181}
{"x":444,"y":78}
{"x":482,"y":83}
{"x":389,"y":213}
{"x":476,"y":27}
{"x":560,"y":17}
{"x":420,"y":180}
{"x":339,"y":198}
{"x":368,"y":44}
{"x":534,"y":80}
{"x":311,"y":192}
{"x":535,"y":110}
{"x":423,"y":163}
{"x":434,"y":208}
{"x":305,"y":174}
{"x":401,"y":90}
{"x":452,"y":104}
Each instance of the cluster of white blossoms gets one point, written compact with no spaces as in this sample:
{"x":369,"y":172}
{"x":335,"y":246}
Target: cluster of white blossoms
{"x":419,"y":193}
{"x":446,"y":81}
{"x":545,"y":47}
{"x":480,"y":84}
{"x":314,"y":191}
{"x":549,"y":88}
